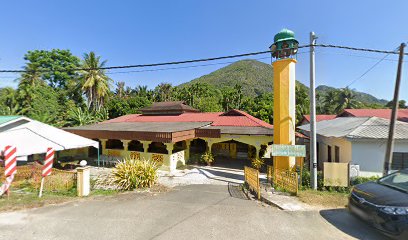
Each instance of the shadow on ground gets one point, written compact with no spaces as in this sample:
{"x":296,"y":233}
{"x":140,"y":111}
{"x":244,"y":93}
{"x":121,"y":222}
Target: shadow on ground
{"x":351,"y":225}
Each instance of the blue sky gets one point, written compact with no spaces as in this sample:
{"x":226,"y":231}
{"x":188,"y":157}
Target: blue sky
{"x":137,"y":32}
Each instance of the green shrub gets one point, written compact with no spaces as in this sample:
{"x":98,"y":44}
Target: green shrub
{"x":207,"y":158}
{"x":131,"y":173}
{"x":359,"y":180}
{"x":257,"y":163}
{"x":306,"y":184}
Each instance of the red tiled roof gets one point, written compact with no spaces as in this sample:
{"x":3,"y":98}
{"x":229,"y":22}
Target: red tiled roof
{"x":320,"y":117}
{"x":381,"y":113}
{"x":238,"y":119}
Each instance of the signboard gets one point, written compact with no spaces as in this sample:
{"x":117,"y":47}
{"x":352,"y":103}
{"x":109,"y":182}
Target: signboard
{"x":278,"y":150}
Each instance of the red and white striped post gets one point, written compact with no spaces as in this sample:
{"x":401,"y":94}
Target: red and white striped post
{"x":47,"y":167}
{"x":10,"y":168}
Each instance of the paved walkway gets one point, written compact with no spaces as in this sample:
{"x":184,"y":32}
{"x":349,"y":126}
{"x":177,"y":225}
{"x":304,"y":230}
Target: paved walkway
{"x":188,"y":212}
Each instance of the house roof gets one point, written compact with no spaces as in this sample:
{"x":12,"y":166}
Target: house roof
{"x":381,"y":113}
{"x":320,"y":117}
{"x":166,"y":108}
{"x":234,"y":118}
{"x":355,"y":128}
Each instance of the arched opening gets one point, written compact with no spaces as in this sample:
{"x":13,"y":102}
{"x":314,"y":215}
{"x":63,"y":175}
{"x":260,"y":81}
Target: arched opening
{"x":135,"y":145}
{"x":114,"y":144}
{"x":179,"y":146}
{"x":198,"y":146}
{"x":157,"y":147}
{"x":231,"y":154}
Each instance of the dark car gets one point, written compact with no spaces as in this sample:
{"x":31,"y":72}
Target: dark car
{"x":383,"y":203}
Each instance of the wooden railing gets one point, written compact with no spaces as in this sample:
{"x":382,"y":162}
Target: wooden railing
{"x":287,"y":180}
{"x":252,"y":179}
{"x":269,"y":173}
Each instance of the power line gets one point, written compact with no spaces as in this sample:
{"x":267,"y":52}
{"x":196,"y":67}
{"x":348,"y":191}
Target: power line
{"x":356,"y":49}
{"x":368,"y":70}
{"x":196,"y":60}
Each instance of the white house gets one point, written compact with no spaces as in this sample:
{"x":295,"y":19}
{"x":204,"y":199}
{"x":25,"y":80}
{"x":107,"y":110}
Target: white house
{"x":361,"y":141}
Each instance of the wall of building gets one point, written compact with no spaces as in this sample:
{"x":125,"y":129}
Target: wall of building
{"x":370,"y":155}
{"x":345,"y":149}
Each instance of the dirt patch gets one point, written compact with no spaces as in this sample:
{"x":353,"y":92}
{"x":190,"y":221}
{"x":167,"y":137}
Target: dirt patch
{"x":324,"y":199}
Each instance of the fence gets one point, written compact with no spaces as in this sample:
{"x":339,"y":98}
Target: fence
{"x":286,"y":180}
{"x":269,"y":173}
{"x":252,"y":179}
{"x":58,"y":180}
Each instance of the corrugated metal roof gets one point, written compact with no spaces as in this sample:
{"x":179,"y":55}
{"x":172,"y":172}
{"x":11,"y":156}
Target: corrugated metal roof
{"x":143,"y":126}
{"x":381,"y":113}
{"x":359,"y":128}
{"x":216,"y":119}
{"x":243,"y":130}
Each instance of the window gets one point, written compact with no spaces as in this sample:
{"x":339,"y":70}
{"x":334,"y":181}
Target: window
{"x":336,"y":154}
{"x":329,"y":154}
{"x":399,"y":160}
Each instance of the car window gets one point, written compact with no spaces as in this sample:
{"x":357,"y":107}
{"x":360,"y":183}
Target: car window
{"x":398,"y":180}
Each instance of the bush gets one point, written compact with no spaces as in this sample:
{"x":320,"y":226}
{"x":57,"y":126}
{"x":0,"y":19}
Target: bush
{"x":207,"y":158}
{"x":306,"y":184}
{"x":257,"y":163}
{"x":132,"y":173}
{"x":359,"y":180}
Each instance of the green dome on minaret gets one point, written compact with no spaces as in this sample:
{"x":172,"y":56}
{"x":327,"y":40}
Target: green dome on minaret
{"x":284,"y":34}
{"x":285,"y":45}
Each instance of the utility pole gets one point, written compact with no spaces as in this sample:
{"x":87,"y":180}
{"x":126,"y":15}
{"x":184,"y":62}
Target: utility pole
{"x":390,"y":143}
{"x":313,"y":148}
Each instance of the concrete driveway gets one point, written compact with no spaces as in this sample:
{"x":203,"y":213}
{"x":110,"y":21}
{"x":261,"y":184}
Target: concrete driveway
{"x":186,"y":212}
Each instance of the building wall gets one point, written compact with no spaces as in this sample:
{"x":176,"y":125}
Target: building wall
{"x":345,"y":149}
{"x":370,"y":156}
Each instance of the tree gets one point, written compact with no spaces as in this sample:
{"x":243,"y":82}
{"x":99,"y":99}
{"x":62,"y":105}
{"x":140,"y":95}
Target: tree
{"x":232,"y":97}
{"x":121,"y":106}
{"x":346,"y":100}
{"x":402,"y":104}
{"x":8,"y":101}
{"x":163,"y":92}
{"x":95,"y":82}
{"x":260,"y":107}
{"x":329,"y":101}
{"x":56,"y":68}
{"x":302,"y":102}
{"x":80,"y":117}
{"x":120,"y":89}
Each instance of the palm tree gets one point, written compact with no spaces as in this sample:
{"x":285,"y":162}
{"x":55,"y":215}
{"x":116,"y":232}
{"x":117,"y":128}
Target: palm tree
{"x":163,"y":92}
{"x":120,"y":89}
{"x":346,"y":99}
{"x":329,"y":101}
{"x":95,"y":83}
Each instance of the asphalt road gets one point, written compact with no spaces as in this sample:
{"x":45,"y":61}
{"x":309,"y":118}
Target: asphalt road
{"x":190,"y":212}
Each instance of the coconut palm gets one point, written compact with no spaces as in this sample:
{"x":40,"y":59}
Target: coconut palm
{"x":346,"y":99}
{"x":120,"y":89}
{"x":330,"y":101}
{"x":95,"y":83}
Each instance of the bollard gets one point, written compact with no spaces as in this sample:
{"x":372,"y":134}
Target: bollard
{"x":83,"y":181}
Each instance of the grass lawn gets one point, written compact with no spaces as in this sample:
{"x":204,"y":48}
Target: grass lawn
{"x":29,"y":199}
{"x":324,"y":198}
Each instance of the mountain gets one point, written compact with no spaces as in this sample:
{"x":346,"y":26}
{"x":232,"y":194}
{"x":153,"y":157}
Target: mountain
{"x":257,"y":77}
{"x":254,"y":76}
{"x":360,"y":96}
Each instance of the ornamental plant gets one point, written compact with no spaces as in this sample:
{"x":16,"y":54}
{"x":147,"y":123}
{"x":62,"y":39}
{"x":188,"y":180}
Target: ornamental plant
{"x":207,"y":158}
{"x":131,"y":173}
{"x":257,"y":163}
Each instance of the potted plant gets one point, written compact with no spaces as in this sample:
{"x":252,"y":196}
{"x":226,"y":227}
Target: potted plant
{"x":257,"y":163}
{"x":207,"y":158}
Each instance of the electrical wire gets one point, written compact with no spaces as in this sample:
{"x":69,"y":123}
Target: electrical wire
{"x":196,"y":60}
{"x":371,"y":68}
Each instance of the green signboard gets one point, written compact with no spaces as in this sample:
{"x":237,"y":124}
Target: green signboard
{"x":279,"y":150}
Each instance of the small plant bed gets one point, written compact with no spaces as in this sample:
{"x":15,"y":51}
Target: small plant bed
{"x":324,"y":199}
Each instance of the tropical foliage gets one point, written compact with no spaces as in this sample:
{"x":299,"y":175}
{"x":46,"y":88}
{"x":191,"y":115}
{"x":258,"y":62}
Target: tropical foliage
{"x":132,"y":173}
{"x":63,"y":90}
